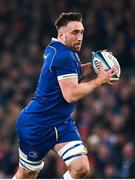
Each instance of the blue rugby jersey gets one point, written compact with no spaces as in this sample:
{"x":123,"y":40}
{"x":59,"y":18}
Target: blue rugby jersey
{"x":48,"y":107}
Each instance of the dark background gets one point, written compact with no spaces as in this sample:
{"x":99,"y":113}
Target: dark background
{"x":106,"y":118}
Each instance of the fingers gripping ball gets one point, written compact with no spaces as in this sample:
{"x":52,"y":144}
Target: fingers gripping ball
{"x":108,"y":61}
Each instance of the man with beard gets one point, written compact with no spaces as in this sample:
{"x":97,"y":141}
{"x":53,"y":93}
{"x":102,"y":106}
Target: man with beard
{"x":46,"y":123}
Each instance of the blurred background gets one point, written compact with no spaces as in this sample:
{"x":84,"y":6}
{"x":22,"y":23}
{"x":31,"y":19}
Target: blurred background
{"x":106,"y":118}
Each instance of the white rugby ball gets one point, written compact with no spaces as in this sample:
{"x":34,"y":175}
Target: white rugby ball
{"x":108,"y":61}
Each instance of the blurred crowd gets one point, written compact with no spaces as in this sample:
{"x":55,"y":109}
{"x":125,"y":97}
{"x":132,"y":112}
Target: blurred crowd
{"x":106,"y":118}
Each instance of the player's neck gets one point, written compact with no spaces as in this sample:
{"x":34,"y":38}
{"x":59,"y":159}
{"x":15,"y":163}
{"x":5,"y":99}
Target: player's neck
{"x":59,"y":39}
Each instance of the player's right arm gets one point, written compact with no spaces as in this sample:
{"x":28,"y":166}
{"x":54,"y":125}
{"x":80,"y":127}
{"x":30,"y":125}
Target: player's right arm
{"x":73,"y":91}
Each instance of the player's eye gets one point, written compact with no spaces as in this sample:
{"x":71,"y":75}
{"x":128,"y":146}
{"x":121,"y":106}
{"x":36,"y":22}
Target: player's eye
{"x":75,"y":32}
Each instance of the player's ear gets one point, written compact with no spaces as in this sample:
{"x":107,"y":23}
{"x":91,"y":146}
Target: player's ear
{"x":61,"y":35}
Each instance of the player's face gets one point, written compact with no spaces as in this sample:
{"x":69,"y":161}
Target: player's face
{"x":73,"y":35}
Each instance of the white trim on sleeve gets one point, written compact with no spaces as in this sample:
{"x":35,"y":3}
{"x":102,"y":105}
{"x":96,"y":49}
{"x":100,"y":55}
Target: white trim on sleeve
{"x":66,"y":76}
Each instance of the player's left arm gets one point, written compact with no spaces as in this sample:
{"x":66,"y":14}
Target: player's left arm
{"x":86,"y":70}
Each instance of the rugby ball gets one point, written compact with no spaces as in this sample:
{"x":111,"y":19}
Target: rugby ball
{"x":108,"y":61}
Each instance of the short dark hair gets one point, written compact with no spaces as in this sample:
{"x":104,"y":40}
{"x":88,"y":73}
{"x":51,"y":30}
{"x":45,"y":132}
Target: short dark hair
{"x":65,"y":18}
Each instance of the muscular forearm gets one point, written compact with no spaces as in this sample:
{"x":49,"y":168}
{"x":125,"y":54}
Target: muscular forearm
{"x":83,"y":89}
{"x":86,"y":70}
{"x":73,"y":91}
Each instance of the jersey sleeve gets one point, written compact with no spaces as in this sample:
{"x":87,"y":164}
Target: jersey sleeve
{"x":66,"y":67}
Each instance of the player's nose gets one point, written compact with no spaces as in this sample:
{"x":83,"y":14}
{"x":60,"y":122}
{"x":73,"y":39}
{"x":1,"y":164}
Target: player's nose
{"x":80,"y":37}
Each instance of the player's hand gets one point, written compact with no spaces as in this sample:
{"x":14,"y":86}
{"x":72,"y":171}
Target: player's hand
{"x":115,"y":70}
{"x":107,"y":76}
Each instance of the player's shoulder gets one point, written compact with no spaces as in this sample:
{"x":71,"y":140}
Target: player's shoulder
{"x":62,"y":51}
